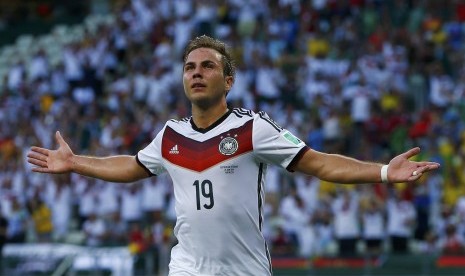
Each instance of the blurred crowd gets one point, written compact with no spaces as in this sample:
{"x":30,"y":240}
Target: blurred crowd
{"x":365,"y":78}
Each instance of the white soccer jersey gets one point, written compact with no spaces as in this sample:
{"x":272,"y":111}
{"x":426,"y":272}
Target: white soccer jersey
{"x":218,"y":178}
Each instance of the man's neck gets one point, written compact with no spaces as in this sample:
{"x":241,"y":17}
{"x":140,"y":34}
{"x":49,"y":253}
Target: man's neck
{"x":203,"y":118}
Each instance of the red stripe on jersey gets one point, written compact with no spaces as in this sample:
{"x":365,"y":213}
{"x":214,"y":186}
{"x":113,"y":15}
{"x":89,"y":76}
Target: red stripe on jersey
{"x":199,"y":156}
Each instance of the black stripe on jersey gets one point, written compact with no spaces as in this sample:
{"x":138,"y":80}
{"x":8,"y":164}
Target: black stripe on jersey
{"x":185,"y":119}
{"x":144,"y":167}
{"x":265,"y":117}
{"x":237,"y":113}
{"x":241,"y":112}
{"x":260,"y":216}
{"x":296,"y":158}
{"x":269,"y":258}
{"x":259,"y":194}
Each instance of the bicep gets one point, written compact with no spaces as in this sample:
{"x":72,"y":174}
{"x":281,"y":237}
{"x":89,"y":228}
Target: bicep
{"x":138,"y":170}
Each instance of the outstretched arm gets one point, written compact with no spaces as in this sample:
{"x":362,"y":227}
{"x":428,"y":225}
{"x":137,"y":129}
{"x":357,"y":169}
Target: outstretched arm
{"x":120,"y":168}
{"x":341,"y":169}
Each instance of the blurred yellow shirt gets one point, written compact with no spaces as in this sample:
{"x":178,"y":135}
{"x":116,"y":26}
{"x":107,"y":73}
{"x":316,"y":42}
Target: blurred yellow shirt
{"x":318,"y":47}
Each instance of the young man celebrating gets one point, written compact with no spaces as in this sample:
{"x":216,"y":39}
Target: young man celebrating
{"x":217,"y":159}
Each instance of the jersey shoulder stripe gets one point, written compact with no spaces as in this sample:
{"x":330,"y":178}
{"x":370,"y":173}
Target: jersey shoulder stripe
{"x":184,"y":120}
{"x":263,"y":115}
{"x":241,"y":112}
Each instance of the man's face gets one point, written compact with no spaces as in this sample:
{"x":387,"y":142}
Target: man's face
{"x":203,"y":78}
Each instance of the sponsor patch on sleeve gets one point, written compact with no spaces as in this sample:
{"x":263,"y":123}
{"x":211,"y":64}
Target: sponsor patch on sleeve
{"x":291,"y":138}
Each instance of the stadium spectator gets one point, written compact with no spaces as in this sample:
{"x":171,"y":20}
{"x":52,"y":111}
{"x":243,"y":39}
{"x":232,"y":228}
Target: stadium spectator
{"x":323,"y":227}
{"x":94,"y":230}
{"x":453,"y":242}
{"x":42,"y":219}
{"x":117,"y":230}
{"x":282,"y":244}
{"x":3,"y":234}
{"x":108,"y":200}
{"x":39,"y":67}
{"x":153,"y":198}
{"x":346,"y":222}
{"x":87,"y":199}
{"x":138,"y":240}
{"x":296,"y":224}
{"x":308,"y":188}
{"x":17,"y":222}
{"x":373,"y":225}
{"x":59,"y":198}
{"x":421,"y":202}
{"x":401,"y":217}
{"x":131,"y":204}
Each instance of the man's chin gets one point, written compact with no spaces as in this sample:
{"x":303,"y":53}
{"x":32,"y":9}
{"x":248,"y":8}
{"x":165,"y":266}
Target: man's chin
{"x":202,"y":103}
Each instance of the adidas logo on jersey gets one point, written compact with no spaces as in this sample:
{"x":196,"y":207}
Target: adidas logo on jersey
{"x":174,"y":150}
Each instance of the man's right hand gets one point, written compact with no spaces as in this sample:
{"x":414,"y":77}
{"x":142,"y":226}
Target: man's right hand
{"x":52,"y":161}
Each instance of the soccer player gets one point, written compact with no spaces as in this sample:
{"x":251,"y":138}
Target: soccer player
{"x":217,"y":159}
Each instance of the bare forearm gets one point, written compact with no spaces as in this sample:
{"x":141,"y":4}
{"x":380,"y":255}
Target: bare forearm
{"x":342,"y":169}
{"x":121,"y":168}
{"x":338,"y":168}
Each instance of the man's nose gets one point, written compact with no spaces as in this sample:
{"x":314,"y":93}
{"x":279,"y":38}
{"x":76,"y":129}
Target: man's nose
{"x":197,"y":72}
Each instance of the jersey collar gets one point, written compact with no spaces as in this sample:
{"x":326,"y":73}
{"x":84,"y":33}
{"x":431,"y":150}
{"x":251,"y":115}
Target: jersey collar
{"x":205,"y":130}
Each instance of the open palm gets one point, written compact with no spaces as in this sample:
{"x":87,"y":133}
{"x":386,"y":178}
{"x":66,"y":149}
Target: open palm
{"x":51,"y":161}
{"x":402,"y":169}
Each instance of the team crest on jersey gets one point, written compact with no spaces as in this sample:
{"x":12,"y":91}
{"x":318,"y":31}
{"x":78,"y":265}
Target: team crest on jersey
{"x":228,"y":146}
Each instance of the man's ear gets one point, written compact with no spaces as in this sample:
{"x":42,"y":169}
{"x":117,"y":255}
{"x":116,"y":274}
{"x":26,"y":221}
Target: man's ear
{"x":228,"y":83}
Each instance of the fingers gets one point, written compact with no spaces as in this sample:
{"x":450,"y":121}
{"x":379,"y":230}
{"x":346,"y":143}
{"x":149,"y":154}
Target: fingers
{"x":431,"y":167}
{"x":414,"y":177}
{"x":410,"y":153}
{"x":45,"y":160}
{"x":418,"y":172}
{"x":428,"y":164}
{"x":41,"y":170}
{"x":37,"y":162}
{"x":38,"y":157}
{"x":39,"y":150}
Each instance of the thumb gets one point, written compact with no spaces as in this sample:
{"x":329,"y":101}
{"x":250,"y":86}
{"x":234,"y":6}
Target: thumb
{"x":412,"y":152}
{"x":60,"y":139}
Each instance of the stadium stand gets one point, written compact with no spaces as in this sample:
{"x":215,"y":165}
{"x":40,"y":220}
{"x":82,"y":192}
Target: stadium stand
{"x":366,"y":78}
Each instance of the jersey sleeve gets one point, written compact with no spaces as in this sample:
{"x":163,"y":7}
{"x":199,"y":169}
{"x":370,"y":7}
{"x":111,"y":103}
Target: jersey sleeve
{"x":274,"y":145}
{"x":150,"y":157}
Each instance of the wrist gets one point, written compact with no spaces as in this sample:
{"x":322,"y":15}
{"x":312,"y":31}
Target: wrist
{"x":72,"y":163}
{"x":384,"y":174}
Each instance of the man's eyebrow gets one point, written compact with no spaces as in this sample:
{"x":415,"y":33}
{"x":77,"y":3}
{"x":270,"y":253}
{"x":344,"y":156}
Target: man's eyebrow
{"x":202,"y":62}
